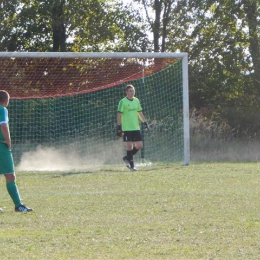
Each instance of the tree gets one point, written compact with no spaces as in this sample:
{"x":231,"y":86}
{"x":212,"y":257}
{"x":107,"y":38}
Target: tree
{"x":222,"y":39}
{"x":58,"y":26}
{"x":162,"y":10}
{"x":227,"y":35}
{"x":252,"y":15}
{"x":69,"y":25}
{"x":224,"y":55}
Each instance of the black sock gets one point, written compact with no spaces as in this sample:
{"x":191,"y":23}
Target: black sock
{"x":135,"y":151}
{"x":129,"y":155}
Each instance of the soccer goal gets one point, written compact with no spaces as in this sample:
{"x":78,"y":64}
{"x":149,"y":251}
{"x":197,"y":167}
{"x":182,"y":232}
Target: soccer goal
{"x":68,"y":102}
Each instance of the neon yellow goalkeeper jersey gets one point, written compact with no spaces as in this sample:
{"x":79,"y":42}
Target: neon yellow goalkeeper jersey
{"x":129,"y":109}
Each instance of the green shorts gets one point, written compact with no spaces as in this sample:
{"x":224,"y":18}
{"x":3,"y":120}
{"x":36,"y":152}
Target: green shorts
{"x":6,"y":160}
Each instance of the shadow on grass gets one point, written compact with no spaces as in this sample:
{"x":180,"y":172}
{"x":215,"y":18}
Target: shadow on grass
{"x":64,"y":174}
{"x":94,"y":171}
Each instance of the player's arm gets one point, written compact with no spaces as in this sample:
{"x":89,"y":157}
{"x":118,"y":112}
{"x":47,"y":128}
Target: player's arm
{"x":118,"y":124}
{"x":6,"y":134}
{"x":142,"y":118}
{"x":119,"y":118}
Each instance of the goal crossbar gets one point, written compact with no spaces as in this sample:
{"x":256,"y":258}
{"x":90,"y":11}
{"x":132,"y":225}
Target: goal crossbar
{"x":148,"y":55}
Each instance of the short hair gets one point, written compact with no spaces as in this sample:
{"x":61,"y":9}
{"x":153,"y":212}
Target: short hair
{"x":129,"y":86}
{"x":4,"y":95}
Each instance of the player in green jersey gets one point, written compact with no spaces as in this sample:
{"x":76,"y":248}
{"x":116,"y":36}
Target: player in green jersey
{"x":6,"y":158}
{"x":128,"y":114}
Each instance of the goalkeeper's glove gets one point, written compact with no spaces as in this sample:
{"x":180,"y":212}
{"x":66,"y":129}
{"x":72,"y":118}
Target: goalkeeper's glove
{"x":119,"y":131}
{"x":146,"y":127}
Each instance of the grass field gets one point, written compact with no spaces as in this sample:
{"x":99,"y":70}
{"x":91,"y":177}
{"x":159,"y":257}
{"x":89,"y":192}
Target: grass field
{"x":201,"y":211}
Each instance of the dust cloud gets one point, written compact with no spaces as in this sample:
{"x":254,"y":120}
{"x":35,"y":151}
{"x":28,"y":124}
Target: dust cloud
{"x":65,"y":158}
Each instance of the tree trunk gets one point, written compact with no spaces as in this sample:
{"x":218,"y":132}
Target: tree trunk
{"x":58,"y":27}
{"x":156,"y":26}
{"x":167,"y":9}
{"x":251,"y":14}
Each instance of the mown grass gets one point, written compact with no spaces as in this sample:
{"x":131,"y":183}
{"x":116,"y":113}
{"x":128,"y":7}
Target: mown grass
{"x":201,"y":211}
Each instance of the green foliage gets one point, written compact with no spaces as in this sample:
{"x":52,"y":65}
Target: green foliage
{"x":221,"y":37}
{"x":58,"y":25}
{"x":223,"y":75}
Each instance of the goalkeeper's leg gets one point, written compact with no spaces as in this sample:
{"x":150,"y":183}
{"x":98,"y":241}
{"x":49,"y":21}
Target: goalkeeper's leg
{"x":130,"y":158}
{"x":129,"y":154}
{"x":134,"y":143}
{"x":131,"y":151}
{"x":138,"y":146}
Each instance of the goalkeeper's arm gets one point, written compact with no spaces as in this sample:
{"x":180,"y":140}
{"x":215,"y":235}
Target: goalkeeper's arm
{"x":142,"y":118}
{"x":118,"y":124}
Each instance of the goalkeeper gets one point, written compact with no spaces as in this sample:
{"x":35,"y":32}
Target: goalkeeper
{"x":6,"y":158}
{"x":128,"y":114}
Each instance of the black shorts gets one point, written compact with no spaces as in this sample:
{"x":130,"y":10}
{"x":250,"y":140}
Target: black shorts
{"x":132,"y":136}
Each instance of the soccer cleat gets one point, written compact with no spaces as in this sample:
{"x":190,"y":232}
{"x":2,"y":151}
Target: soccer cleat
{"x":23,"y":208}
{"x":133,"y":169}
{"x":127,"y":163}
{"x":1,"y":211}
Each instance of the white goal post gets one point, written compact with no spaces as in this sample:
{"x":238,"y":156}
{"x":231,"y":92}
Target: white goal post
{"x":149,"y":55}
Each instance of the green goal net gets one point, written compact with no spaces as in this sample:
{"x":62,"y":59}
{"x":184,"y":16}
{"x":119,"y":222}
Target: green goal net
{"x":63,"y":108}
